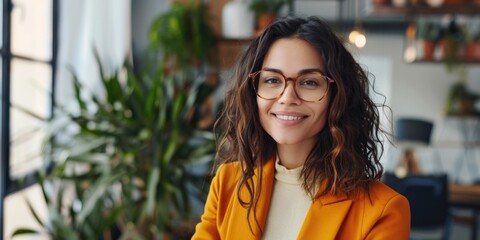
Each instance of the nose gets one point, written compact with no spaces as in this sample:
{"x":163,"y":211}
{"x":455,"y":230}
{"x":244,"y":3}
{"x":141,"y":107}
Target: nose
{"x":289,"y":96}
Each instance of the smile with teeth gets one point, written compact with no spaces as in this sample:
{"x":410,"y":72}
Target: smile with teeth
{"x":290,"y":118}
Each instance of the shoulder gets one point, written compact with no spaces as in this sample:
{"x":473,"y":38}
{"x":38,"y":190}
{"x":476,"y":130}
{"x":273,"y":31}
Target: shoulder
{"x":385,"y":213}
{"x":382,"y":198}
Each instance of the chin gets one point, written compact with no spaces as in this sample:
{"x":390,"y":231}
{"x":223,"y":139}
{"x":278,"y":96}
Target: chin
{"x":285,"y":141}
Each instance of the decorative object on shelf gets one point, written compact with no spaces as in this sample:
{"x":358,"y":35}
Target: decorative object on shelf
{"x":460,"y":100}
{"x":472,"y":43}
{"x":451,"y":43}
{"x":399,"y":3}
{"x":238,"y":21}
{"x":435,"y":3}
{"x":428,"y":34}
{"x":381,"y":2}
{"x":266,"y":11}
{"x":410,"y":53}
{"x":411,"y":132}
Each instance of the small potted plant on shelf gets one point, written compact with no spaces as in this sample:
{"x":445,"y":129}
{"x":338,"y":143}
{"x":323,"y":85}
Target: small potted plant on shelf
{"x":460,"y":100}
{"x":266,"y":11}
{"x":472,"y":46}
{"x":428,"y":33}
{"x":452,"y":40}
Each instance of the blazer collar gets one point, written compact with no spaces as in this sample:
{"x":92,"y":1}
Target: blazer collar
{"x":330,"y":208}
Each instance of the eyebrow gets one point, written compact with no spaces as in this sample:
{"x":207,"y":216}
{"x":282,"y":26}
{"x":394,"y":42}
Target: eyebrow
{"x":307,"y":70}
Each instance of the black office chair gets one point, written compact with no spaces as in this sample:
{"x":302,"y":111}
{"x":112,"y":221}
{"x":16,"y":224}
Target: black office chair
{"x":428,"y":197}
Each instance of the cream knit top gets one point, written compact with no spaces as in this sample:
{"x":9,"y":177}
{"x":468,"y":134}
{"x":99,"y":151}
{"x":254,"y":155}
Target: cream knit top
{"x":289,"y":205}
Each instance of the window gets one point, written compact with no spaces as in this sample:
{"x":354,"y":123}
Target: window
{"x":28,"y":57}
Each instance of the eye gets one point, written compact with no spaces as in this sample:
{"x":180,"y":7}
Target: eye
{"x":310,"y":82}
{"x":271,"y":80}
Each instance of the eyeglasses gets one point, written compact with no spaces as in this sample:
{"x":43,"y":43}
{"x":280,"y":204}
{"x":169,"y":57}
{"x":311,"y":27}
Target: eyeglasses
{"x":310,"y":86}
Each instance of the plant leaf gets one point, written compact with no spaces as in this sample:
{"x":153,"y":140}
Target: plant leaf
{"x":24,"y":231}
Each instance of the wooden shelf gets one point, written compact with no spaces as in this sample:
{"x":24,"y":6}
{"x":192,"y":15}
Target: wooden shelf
{"x":466,"y":9}
{"x":463,"y":61}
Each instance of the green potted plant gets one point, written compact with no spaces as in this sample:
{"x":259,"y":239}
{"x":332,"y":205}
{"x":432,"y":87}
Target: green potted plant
{"x":460,"y":100}
{"x":131,"y":163}
{"x":185,"y":37}
{"x":472,"y":45}
{"x":453,"y":37}
{"x":266,"y":11}
{"x":428,"y":33}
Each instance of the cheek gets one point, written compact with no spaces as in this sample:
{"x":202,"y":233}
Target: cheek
{"x":321,"y":116}
{"x":263,"y":108}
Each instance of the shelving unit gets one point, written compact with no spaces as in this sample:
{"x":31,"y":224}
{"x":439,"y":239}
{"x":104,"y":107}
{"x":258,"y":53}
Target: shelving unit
{"x":414,"y":48}
{"x":466,"y":9}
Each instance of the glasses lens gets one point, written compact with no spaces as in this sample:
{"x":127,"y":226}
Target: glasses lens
{"x":269,"y":84}
{"x":311,"y":86}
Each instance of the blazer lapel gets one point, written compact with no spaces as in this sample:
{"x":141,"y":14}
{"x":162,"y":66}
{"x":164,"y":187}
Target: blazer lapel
{"x":325,"y":217}
{"x":266,"y":193}
{"x":238,"y":226}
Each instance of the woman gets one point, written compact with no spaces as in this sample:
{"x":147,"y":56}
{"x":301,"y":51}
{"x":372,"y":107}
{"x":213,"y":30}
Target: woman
{"x":298,"y":141}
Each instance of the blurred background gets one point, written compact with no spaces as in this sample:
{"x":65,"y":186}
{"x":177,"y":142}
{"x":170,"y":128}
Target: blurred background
{"x":107,"y":108}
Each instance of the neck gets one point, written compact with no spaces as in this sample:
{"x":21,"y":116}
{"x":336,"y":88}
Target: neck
{"x":293,"y":156}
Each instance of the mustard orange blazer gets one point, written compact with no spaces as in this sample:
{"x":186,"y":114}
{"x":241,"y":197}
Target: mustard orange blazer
{"x":385,"y":215}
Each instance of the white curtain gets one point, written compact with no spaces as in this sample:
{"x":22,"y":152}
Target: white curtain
{"x":84,"y":26}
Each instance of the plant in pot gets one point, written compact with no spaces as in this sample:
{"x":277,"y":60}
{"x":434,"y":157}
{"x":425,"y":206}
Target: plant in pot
{"x":453,"y":37}
{"x":472,"y":45}
{"x":428,"y":33}
{"x":266,"y":11}
{"x":132,"y":163}
{"x":460,"y":100}
{"x":185,"y":37}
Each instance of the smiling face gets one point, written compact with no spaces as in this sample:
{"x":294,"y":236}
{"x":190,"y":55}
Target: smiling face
{"x":288,"y":119}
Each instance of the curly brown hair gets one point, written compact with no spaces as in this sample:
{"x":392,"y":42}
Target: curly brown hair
{"x":347,"y":155}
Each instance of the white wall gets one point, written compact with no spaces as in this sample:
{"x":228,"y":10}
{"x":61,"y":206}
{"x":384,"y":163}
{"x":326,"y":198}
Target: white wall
{"x":143,"y":13}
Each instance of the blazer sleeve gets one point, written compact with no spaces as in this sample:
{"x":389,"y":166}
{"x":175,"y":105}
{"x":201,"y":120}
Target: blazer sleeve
{"x":207,"y":228}
{"x":394,"y":222}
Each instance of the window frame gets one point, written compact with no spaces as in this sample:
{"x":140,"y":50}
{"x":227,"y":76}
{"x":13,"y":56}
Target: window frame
{"x":7,"y":182}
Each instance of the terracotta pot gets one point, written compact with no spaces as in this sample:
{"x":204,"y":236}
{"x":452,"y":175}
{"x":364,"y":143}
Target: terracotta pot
{"x":472,"y":51}
{"x":380,"y":2}
{"x":450,"y":49}
{"x":428,"y":49}
{"x":466,"y":106}
{"x":264,"y":20}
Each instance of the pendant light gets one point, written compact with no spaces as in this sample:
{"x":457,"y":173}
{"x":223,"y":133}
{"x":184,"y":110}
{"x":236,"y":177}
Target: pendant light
{"x":357,"y":36}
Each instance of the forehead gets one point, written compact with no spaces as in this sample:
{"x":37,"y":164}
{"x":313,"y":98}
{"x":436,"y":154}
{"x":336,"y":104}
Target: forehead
{"x":291,"y":55}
